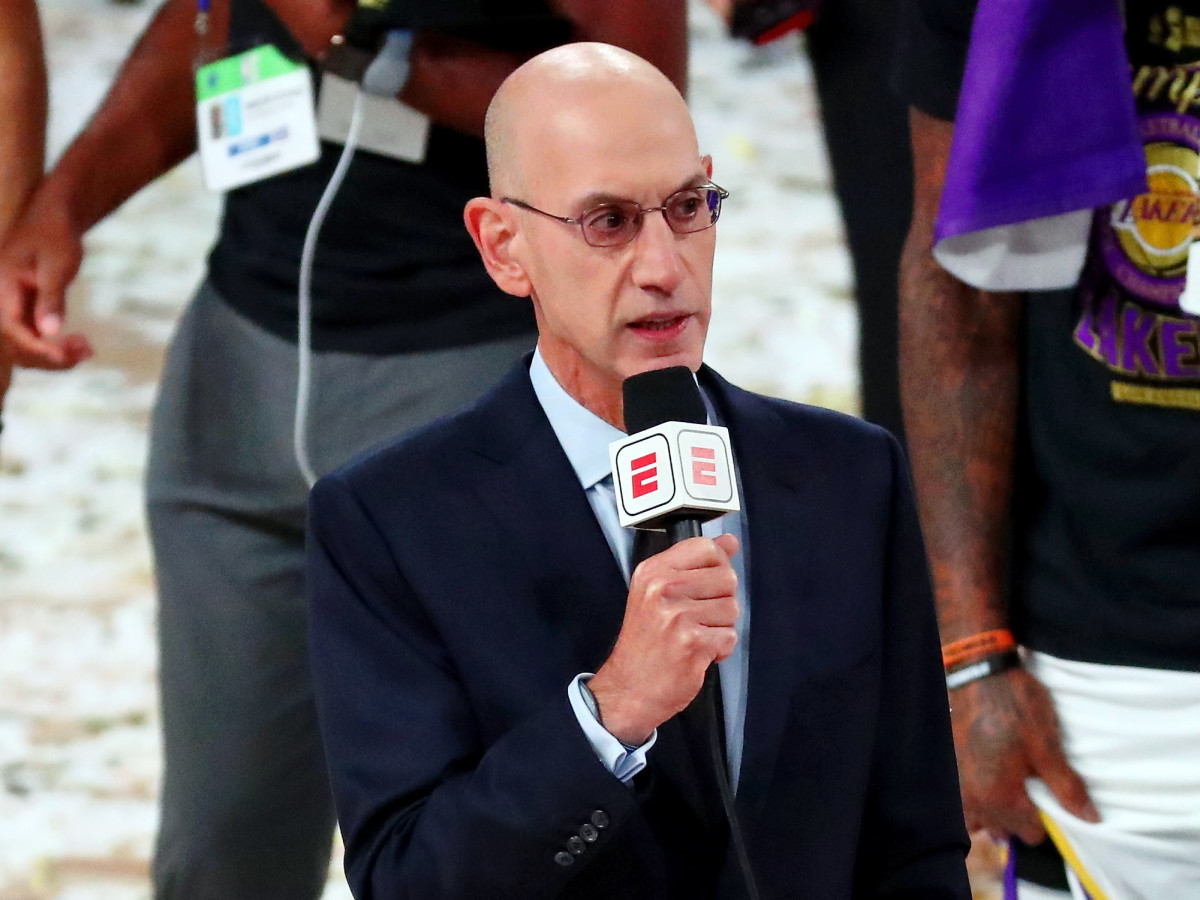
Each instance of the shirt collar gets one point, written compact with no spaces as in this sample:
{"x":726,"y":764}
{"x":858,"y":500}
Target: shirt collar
{"x":584,"y":436}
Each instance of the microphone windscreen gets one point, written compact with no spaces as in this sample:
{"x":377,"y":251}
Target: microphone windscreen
{"x":662,"y":395}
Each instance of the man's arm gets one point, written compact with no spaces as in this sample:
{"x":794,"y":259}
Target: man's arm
{"x":23,"y":102}
{"x":959,"y":377}
{"x":144,"y":127}
{"x":427,"y":805}
{"x":23,"y":129}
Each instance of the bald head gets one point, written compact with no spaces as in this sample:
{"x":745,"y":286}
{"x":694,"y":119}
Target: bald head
{"x":560,"y":95}
{"x":580,"y":138}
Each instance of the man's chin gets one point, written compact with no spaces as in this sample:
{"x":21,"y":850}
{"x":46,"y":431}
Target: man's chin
{"x":692,"y":360}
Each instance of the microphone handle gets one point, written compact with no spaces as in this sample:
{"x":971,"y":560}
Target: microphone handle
{"x":682,"y":529}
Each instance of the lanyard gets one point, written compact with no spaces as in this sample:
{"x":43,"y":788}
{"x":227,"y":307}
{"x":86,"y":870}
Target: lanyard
{"x":202,"y":7}
{"x":203,"y":53}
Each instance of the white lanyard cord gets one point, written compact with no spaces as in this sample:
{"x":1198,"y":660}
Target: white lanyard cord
{"x":304,"y":315}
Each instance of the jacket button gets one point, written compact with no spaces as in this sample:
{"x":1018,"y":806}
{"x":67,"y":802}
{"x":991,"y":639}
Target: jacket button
{"x":600,"y":818}
{"x":589,"y":833}
{"x":563,"y":858}
{"x":575,"y":845}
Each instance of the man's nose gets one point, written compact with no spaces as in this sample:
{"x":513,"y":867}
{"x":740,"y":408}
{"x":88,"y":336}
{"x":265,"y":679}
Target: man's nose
{"x":657,"y":264}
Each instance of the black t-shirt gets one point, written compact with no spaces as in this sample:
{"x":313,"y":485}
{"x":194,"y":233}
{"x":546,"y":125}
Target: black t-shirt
{"x":1107,"y":524}
{"x":395,"y":270}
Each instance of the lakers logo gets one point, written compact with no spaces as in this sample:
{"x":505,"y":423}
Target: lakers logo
{"x":1155,"y":229}
{"x":1145,"y":241}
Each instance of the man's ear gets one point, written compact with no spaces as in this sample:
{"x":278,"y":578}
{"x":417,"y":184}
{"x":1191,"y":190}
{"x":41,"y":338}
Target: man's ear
{"x":490,"y":224}
{"x":706,"y":161}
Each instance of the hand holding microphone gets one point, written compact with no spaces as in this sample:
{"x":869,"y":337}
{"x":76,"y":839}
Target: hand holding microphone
{"x":679,"y":619}
{"x":672,"y":473}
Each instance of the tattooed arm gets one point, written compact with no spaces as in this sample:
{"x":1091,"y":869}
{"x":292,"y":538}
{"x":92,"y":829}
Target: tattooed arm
{"x":959,"y":372}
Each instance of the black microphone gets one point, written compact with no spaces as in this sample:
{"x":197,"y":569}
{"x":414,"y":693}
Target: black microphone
{"x":662,"y":395}
{"x":653,"y":399}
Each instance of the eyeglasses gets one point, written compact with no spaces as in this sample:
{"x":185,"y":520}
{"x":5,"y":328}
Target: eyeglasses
{"x":618,"y":222}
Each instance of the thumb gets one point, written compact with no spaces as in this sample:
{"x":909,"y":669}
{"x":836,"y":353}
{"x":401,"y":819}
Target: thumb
{"x":55,"y":270}
{"x":1050,"y":764}
{"x":729,"y":544}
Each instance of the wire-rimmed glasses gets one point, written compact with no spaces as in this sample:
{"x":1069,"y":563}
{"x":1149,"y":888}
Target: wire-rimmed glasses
{"x":617,"y":222}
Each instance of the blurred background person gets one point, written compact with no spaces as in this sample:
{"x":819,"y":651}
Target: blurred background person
{"x":22,"y":126}
{"x":865,"y":126}
{"x":406,"y":327}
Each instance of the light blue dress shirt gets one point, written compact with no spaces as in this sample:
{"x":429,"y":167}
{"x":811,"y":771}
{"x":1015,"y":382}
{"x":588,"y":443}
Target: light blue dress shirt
{"x":585,"y":437}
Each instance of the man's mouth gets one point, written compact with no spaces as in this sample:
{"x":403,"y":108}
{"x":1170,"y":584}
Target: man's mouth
{"x":660,"y":326}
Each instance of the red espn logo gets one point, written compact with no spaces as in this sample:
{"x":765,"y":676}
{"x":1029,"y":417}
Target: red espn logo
{"x":676,"y":467}
{"x":704,"y":466}
{"x":645,"y":474}
{"x":644,"y":470}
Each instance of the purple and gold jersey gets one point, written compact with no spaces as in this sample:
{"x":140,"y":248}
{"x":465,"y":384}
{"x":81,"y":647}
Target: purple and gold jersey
{"x":1108,"y":528}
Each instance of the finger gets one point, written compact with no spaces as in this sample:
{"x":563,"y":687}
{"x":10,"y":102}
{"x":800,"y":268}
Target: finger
{"x":26,"y":345}
{"x":1025,"y":822}
{"x":729,"y":545}
{"x":698,"y":553}
{"x":11,"y":303}
{"x":30,"y":350}
{"x":1050,"y":764}
{"x":704,"y":644}
{"x":719,"y":612}
{"x":77,"y":348}
{"x":691,"y":585}
{"x":43,"y":355}
{"x":1006,"y":813}
{"x":48,"y":307}
{"x":29,"y":346}
{"x":724,"y":641}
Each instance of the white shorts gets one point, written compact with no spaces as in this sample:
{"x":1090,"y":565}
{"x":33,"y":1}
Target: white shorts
{"x":1133,"y":734}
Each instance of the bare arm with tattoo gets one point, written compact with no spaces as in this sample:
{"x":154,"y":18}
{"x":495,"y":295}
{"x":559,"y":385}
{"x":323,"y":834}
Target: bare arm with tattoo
{"x":959,"y":374}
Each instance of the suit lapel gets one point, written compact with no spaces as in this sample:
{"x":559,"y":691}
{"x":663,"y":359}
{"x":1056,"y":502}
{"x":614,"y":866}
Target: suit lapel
{"x":528,"y":485}
{"x":770,"y":466}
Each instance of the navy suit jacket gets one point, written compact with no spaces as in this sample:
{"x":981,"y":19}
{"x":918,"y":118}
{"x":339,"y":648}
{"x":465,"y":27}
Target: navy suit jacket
{"x":458,"y":581}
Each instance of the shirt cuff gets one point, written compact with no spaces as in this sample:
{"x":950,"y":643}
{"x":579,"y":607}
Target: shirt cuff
{"x":624,"y":762}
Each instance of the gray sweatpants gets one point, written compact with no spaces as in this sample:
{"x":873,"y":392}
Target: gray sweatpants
{"x":246,"y":807}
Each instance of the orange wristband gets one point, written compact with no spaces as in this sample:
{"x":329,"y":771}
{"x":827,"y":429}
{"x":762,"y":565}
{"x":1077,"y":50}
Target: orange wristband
{"x":977,"y":646}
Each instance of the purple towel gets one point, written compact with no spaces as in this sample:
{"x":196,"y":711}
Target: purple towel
{"x":1046,"y":121}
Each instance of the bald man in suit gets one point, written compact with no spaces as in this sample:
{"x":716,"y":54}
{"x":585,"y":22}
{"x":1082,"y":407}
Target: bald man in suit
{"x":504,"y":703}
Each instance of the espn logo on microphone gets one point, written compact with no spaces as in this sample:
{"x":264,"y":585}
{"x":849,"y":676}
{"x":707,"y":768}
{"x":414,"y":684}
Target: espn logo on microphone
{"x":673,"y":468}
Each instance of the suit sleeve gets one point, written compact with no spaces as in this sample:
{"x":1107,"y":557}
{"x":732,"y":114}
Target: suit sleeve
{"x":425,"y":810}
{"x":914,"y":840}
